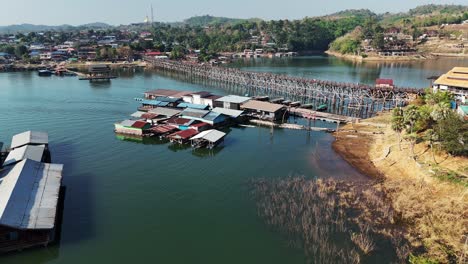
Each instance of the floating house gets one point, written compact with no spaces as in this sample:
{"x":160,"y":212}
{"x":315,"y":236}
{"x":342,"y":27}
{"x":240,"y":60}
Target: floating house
{"x":193,"y":106}
{"x":163,"y":130}
{"x":180,"y":123}
{"x":209,"y":139}
{"x":165,"y":112}
{"x":171,"y":101}
{"x":29,"y":194}
{"x":151,"y":95}
{"x":183,"y":136}
{"x":29,"y":138}
{"x":384,"y":83}
{"x":264,"y":110}
{"x":99,"y":72}
{"x":132,"y":127}
{"x":235,"y":114}
{"x":231,"y":102}
{"x":137,"y":114}
{"x":35,"y":153}
{"x":201,"y":98}
{"x":212,"y":118}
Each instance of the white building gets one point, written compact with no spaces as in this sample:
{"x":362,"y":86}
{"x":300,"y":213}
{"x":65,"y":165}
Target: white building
{"x":454,"y":81}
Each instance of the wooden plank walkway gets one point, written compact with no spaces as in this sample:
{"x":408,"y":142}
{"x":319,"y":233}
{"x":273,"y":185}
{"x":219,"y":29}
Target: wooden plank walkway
{"x":290,"y":126}
{"x":322,"y":116}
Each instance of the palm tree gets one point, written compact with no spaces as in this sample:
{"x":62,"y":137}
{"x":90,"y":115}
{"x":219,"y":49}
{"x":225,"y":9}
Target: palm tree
{"x":398,"y":123}
{"x":432,"y":137}
{"x":411,"y":116}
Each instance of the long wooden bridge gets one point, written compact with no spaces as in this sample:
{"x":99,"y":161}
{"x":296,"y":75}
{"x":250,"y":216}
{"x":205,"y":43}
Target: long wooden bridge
{"x":350,"y":99}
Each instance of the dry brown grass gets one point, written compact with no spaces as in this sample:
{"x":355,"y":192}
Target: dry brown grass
{"x":436,"y":211}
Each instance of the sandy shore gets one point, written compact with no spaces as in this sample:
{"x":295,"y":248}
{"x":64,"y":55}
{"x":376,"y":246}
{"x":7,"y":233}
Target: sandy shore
{"x":381,"y":58}
{"x":435,"y":210}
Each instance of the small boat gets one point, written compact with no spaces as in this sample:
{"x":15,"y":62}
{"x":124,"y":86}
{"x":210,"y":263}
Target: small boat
{"x":307,"y":106}
{"x":295,"y":104}
{"x":322,"y":107}
{"x":287,"y":102}
{"x":277,"y":100}
{"x":261,"y":98}
{"x":45,"y":73}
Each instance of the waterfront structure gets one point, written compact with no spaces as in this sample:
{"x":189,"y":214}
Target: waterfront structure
{"x":29,"y":138}
{"x":193,"y":106}
{"x":99,"y":72}
{"x":384,"y":83}
{"x":212,"y":118}
{"x":36,"y":153}
{"x":201,"y":98}
{"x":456,"y":82}
{"x":132,"y":127}
{"x":152,"y":95}
{"x":209,"y":138}
{"x":351,"y":99}
{"x":29,"y":194}
{"x":229,"y":112}
{"x":231,"y":102}
{"x":264,"y":110}
{"x":183,"y":136}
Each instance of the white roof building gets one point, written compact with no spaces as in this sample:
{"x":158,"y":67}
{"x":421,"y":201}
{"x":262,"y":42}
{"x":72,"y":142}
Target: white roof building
{"x":29,"y":138}
{"x":29,"y":194}
{"x":25,"y":152}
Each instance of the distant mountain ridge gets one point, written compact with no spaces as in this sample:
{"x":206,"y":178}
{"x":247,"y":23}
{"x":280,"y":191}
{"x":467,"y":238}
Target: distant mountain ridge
{"x":25,"y":28}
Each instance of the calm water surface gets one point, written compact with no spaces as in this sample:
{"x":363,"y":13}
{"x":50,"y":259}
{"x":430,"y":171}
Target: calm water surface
{"x":130,"y":201}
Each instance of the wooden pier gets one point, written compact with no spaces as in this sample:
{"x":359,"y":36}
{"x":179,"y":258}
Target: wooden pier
{"x":290,"y":126}
{"x":346,"y":99}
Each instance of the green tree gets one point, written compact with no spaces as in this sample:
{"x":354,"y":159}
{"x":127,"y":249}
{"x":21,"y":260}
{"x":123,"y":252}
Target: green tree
{"x":453,"y":134}
{"x":398,"y":123}
{"x":20,"y":51}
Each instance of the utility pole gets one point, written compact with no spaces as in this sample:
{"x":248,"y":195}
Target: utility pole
{"x":152,"y":16}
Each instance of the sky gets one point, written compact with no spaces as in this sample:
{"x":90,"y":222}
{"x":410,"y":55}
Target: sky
{"x":116,"y":12}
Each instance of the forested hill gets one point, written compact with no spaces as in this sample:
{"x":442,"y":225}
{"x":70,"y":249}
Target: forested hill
{"x":207,"y":20}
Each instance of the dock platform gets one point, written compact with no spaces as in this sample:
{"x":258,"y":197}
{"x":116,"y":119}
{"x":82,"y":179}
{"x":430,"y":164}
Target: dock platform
{"x":322,"y":116}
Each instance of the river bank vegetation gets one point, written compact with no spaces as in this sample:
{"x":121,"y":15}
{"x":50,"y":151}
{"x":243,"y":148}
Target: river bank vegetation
{"x":423,"y":172}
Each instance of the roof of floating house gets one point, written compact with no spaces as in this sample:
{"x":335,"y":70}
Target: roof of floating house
{"x":190,"y":112}
{"x":193,"y":106}
{"x":262,"y":106}
{"x":163,"y":129}
{"x":168,"y":93}
{"x":29,"y":137}
{"x":212,"y":116}
{"x":202,"y":94}
{"x":29,"y":194}
{"x":457,"y":77}
{"x":140,"y":124}
{"x":127,"y":123}
{"x":25,"y":152}
{"x":212,"y":135}
{"x":184,"y":134}
{"x":138,"y":114}
{"x":167,"y":99}
{"x":165,"y":111}
{"x":149,"y":116}
{"x":228,"y":112}
{"x":235,"y":99}
{"x":201,"y":124}
{"x":180,"y":121}
{"x":154,"y":103}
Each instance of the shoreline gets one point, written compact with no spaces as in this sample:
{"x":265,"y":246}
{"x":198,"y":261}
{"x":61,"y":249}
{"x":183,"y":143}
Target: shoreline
{"x":421,"y":57}
{"x":433,"y":210}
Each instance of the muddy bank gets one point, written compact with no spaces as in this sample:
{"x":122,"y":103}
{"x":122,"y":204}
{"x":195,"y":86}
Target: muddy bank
{"x":436,"y":210}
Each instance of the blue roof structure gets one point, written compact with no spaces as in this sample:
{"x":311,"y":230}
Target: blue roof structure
{"x":193,"y":106}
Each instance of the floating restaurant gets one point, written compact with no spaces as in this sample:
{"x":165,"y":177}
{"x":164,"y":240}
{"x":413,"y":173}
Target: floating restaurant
{"x":30,"y":190}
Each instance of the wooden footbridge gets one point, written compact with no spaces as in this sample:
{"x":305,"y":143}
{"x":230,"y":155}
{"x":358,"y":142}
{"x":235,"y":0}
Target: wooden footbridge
{"x":356,"y":100}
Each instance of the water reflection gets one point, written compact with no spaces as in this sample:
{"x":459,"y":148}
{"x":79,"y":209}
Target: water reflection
{"x":100,"y":85}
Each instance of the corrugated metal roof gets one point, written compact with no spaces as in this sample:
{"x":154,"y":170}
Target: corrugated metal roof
{"x":25,"y":152}
{"x":167,"y":99}
{"x":211,"y":116}
{"x":29,"y":137}
{"x":138,"y":114}
{"x":262,"y":106}
{"x":149,"y":116}
{"x":127,"y":123}
{"x":190,"y":112}
{"x":151,"y":102}
{"x":184,"y":134}
{"x":179,"y":121}
{"x":165,"y":111}
{"x":234,"y":99}
{"x":212,"y":135}
{"x":228,"y":112}
{"x":139,"y":124}
{"x":29,"y":194}
{"x":193,"y":106}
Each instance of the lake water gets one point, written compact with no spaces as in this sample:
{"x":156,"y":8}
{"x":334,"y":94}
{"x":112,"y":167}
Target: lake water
{"x":140,"y":202}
